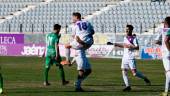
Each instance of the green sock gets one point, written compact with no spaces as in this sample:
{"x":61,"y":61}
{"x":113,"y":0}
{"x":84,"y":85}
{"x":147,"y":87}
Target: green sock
{"x":1,"y":81}
{"x":46,"y":74}
{"x":62,"y":75}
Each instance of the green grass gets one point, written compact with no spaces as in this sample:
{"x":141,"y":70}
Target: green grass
{"x":23,"y":76}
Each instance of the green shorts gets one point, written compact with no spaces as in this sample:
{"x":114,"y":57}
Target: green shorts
{"x":50,"y":60}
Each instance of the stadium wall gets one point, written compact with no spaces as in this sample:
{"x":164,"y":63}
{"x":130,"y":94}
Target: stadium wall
{"x":34,"y":45}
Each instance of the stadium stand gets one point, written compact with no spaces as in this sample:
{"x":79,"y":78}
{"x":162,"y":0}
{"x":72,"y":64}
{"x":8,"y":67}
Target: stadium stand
{"x":143,"y":15}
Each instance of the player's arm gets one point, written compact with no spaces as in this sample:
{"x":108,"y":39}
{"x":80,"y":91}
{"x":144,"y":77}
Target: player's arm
{"x":80,"y":41}
{"x":135,"y":45}
{"x":118,"y":45}
{"x":130,"y":46}
{"x":167,"y":42}
{"x":57,"y":49}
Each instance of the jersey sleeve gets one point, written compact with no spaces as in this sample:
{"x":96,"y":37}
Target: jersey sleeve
{"x":91,"y":28}
{"x":168,"y":32}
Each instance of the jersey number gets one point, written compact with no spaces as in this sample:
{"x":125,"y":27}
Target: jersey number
{"x":49,"y":41}
{"x":82,"y":26}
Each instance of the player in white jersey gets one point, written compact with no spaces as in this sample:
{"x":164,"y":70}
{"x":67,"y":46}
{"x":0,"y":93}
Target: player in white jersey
{"x":83,"y":39}
{"x":164,"y":39}
{"x":83,"y":32}
{"x":130,"y":44}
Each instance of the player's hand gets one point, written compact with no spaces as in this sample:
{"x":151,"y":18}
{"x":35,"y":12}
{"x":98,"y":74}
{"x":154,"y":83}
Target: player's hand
{"x":67,"y":46}
{"x":78,"y":39}
{"x":57,"y":57}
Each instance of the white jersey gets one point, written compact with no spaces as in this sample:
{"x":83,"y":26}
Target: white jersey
{"x":129,"y":53}
{"x":163,"y":32}
{"x":84,"y":30}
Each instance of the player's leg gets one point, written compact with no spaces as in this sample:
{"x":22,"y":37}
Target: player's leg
{"x":125,"y":67}
{"x":62,"y":75}
{"x":1,"y":84}
{"x":83,"y":67}
{"x":46,"y":70}
{"x":135,"y":72}
{"x":68,"y":47}
{"x":87,"y":67}
{"x":166,"y":63}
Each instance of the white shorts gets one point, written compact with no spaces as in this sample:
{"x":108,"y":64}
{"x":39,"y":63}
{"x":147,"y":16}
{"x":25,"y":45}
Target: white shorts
{"x":77,"y":46}
{"x":128,"y":64}
{"x":82,"y":61}
{"x":166,"y":63}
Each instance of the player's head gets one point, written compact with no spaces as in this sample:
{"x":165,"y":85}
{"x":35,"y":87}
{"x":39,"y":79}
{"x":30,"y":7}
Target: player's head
{"x":167,"y":22}
{"x":57,"y":28}
{"x":129,"y":29}
{"x":76,"y":16}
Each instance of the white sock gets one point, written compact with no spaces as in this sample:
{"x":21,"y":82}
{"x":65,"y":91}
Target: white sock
{"x":67,"y":50}
{"x":167,"y":81}
{"x":125,"y":78}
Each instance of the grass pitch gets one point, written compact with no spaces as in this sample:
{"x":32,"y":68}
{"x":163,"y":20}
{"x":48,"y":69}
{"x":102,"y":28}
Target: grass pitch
{"x":23,"y":76}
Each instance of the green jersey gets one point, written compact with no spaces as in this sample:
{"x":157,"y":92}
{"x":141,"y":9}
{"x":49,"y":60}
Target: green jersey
{"x":52,"y":40}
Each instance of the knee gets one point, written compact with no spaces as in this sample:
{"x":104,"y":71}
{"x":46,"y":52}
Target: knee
{"x":134,"y":72}
{"x":124,"y":71}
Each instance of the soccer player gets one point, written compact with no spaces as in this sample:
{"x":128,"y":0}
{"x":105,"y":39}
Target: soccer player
{"x":81,"y":30}
{"x":1,"y":83}
{"x":130,"y":44}
{"x":53,"y":55}
{"x":83,"y":39}
{"x":164,"y":39}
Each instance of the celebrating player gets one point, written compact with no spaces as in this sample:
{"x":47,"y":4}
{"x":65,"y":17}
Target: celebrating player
{"x":1,"y":83}
{"x":164,"y":39}
{"x":83,"y":32}
{"x":53,"y":55}
{"x":128,"y":61}
{"x":83,"y":39}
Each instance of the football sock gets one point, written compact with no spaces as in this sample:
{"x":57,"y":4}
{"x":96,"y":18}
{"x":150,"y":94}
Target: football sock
{"x":78,"y":82}
{"x":125,"y":78}
{"x":167,"y":81}
{"x":61,"y":71}
{"x":1,"y":81}
{"x":67,"y":54}
{"x":140,"y":75}
{"x":86,"y":74}
{"x":46,"y":74}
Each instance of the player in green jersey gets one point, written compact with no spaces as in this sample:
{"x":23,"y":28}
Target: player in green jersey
{"x":53,"y":55}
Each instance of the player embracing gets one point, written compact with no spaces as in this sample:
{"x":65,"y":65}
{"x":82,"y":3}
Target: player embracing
{"x":82,"y":40}
{"x":53,"y":55}
{"x":130,"y":44}
{"x":164,"y":39}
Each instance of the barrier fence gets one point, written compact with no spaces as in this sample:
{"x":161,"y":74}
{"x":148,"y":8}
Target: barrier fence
{"x":32,"y":45}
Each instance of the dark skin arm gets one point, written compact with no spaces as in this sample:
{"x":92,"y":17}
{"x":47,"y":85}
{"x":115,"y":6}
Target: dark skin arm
{"x":158,"y":42}
{"x":81,"y":42}
{"x":127,"y":46}
{"x":167,"y":42}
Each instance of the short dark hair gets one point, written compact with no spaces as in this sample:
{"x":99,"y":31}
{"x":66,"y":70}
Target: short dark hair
{"x":77,"y":14}
{"x":167,"y":20}
{"x":57,"y":26}
{"x":130,"y":27}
